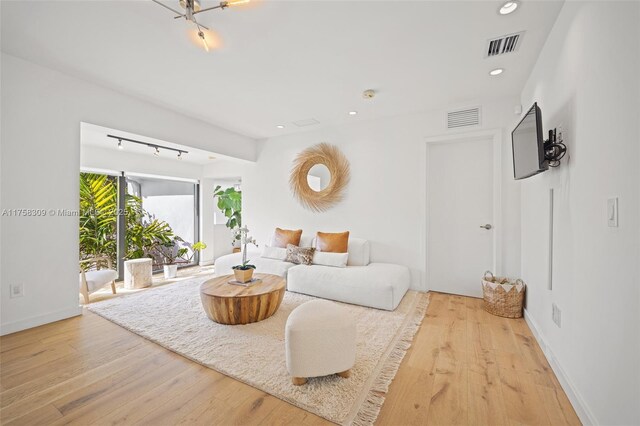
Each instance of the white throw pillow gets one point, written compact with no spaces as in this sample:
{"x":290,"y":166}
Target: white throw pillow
{"x":338,"y":260}
{"x":277,"y":253}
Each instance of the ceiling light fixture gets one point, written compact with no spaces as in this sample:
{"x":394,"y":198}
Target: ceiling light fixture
{"x":150,"y":145}
{"x":353,"y":112}
{"x":280,"y":126}
{"x":204,"y":40}
{"x":495,"y":72}
{"x":369,"y":94}
{"x":508,"y":7}
{"x":193,"y":7}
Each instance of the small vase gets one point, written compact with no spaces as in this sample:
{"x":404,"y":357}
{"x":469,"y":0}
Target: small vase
{"x":243,"y":275}
{"x":170,"y":271}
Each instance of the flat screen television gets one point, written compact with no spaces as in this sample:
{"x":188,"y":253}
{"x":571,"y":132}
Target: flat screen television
{"x":528,"y":145}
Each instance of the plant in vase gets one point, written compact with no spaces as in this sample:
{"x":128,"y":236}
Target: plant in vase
{"x":244,"y":271}
{"x":171,"y":257}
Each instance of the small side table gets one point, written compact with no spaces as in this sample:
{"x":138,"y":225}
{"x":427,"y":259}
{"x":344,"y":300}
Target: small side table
{"x":137,"y":273}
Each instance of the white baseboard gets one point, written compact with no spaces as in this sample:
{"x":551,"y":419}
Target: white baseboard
{"x":582,"y":409}
{"x":36,"y":321}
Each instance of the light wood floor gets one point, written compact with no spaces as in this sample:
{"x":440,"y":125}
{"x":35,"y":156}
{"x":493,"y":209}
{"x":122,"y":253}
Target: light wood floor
{"x":465,"y":367}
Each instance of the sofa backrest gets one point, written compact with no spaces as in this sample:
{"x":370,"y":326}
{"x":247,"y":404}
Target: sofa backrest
{"x":359,"y":251}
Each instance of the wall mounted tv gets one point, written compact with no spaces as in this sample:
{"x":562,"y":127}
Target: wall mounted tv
{"x":528,"y":145}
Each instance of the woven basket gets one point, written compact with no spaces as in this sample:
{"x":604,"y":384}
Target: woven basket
{"x":503,"y":297}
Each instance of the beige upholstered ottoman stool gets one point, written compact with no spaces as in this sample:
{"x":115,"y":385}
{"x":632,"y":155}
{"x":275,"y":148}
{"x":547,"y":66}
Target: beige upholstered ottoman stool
{"x":320,"y":339}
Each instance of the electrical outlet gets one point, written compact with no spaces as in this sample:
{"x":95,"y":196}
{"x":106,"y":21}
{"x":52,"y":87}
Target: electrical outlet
{"x":17,"y":290}
{"x":556,"y":315}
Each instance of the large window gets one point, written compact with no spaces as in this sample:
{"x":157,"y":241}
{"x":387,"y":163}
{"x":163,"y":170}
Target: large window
{"x":137,"y":216}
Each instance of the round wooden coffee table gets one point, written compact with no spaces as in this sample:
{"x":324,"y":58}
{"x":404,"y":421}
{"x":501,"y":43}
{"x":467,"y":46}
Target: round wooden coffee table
{"x":234,"y":304}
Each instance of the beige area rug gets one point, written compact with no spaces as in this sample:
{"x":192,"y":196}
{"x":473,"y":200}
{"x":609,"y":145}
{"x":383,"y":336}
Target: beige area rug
{"x":172,"y":316}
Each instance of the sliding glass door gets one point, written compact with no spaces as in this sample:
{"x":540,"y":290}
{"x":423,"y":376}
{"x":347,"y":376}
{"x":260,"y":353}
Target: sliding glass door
{"x":130,"y":217}
{"x":170,"y":202}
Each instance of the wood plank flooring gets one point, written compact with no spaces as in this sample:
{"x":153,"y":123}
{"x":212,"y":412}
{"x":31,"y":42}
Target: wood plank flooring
{"x":465,"y":367}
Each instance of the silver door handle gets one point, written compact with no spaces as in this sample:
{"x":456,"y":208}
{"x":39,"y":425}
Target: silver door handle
{"x":487,"y":226}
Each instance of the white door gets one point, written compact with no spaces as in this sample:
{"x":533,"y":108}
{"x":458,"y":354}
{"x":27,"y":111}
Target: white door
{"x":460,"y":228}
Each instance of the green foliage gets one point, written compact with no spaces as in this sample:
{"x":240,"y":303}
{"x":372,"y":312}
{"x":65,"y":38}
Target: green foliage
{"x":244,"y":266}
{"x":230,"y":203}
{"x":180,"y":255}
{"x":98,"y":194}
{"x":98,"y":222}
{"x":145,"y":235}
{"x":199,"y":246}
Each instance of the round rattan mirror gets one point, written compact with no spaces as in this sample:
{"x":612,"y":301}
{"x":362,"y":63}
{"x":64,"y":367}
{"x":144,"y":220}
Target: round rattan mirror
{"x":315,"y":188}
{"x":319,"y":177}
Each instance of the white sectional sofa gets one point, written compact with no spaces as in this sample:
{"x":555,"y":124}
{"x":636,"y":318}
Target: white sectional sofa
{"x":376,"y":285}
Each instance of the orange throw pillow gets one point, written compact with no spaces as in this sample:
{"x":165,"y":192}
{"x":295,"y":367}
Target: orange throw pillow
{"x":282,"y":237}
{"x":332,"y":242}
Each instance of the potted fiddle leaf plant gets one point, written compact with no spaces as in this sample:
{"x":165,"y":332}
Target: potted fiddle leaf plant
{"x":230,"y":204}
{"x":244,"y":272}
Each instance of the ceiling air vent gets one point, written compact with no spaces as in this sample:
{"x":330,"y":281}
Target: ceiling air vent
{"x":306,"y":122}
{"x":463,"y":118}
{"x":504,"y":44}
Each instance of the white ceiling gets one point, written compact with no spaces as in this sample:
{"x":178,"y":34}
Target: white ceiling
{"x":282,"y":61}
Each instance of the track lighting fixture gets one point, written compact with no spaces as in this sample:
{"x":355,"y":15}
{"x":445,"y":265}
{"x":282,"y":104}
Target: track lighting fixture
{"x":153,"y":146}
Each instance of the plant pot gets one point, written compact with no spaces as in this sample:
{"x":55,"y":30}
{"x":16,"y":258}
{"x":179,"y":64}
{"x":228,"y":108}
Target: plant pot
{"x":170,"y":271}
{"x":243,"y":275}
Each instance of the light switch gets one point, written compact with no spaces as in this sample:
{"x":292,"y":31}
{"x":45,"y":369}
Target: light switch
{"x":612,"y":212}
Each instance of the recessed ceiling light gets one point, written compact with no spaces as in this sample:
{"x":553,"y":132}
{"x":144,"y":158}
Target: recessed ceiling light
{"x":280,"y":126}
{"x":497,"y":71}
{"x":508,"y":7}
{"x":353,"y":112}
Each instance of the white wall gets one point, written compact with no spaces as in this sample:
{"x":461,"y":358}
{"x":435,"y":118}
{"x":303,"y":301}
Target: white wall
{"x":587,"y":81}
{"x":40,"y":161}
{"x":97,"y":158}
{"x":384,"y":200}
